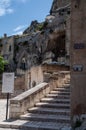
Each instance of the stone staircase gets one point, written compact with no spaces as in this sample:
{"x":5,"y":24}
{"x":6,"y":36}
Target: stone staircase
{"x":51,"y":113}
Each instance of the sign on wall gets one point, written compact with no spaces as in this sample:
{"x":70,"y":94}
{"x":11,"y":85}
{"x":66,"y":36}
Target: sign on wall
{"x":78,"y":68}
{"x":79,"y":46}
{"x":8,"y":83}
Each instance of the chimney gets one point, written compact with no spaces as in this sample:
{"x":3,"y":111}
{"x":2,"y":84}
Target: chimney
{"x":5,"y":35}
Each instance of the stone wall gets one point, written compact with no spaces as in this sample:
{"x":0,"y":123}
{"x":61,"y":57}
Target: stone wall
{"x":36,"y":76}
{"x":8,"y":48}
{"x":33,"y":77}
{"x":78,"y":58}
{"x":68,"y":41}
{"x":42,"y":73}
{"x":54,"y":68}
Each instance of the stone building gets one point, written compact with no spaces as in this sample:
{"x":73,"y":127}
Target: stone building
{"x":78,"y":59}
{"x":7,"y":50}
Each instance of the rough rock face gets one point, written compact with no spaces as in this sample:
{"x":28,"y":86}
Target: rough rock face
{"x":58,"y":4}
{"x":33,"y":27}
{"x":44,"y":42}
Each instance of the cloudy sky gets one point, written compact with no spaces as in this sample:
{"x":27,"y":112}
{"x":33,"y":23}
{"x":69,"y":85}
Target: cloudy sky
{"x":16,"y":15}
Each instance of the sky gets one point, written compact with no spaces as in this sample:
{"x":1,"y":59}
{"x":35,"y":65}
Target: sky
{"x":16,"y":15}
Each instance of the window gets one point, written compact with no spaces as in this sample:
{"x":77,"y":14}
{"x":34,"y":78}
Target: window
{"x":10,"y":48}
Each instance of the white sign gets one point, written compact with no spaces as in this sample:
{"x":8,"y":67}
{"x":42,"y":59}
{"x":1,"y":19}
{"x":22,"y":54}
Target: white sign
{"x":8,"y":83}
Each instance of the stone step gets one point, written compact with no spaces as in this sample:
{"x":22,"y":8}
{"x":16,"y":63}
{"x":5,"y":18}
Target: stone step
{"x":34,"y":125}
{"x":58,"y":92}
{"x":45,"y":110}
{"x":66,"y":84}
{"x":52,"y":105}
{"x":55,"y":100}
{"x":62,"y":89}
{"x":60,"y":96}
{"x":45,"y":118}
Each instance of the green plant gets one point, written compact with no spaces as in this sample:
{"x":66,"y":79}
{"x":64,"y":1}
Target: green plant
{"x":40,"y":27}
{"x":2,"y":64}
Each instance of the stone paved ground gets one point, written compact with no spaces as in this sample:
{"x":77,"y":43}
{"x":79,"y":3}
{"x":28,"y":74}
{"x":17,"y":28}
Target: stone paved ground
{"x":7,"y":129}
{"x":3,"y":113}
{"x":2,"y":109}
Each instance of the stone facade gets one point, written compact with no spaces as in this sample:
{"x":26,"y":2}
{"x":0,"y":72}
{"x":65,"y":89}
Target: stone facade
{"x":78,"y":60}
{"x":43,"y":73}
{"x":8,"y":48}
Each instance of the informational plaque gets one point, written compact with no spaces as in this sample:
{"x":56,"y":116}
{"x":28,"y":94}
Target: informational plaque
{"x":8,"y":83}
{"x":79,"y":46}
{"x":78,"y":68}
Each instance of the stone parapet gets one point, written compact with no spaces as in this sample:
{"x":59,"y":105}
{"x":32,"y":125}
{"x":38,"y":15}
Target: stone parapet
{"x":20,"y":104}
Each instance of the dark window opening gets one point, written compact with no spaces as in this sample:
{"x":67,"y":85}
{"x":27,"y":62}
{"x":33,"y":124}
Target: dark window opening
{"x":68,"y":12}
{"x":10,"y":48}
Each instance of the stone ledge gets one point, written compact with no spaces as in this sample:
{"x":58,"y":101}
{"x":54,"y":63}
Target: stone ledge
{"x":28,"y":93}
